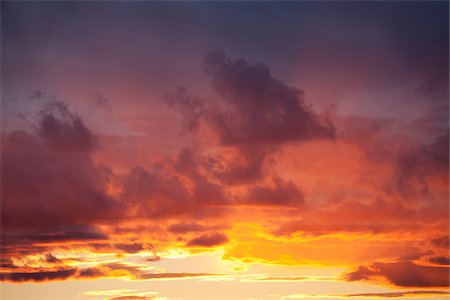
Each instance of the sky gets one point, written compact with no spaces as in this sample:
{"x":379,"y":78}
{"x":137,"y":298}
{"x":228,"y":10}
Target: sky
{"x":224,"y":150}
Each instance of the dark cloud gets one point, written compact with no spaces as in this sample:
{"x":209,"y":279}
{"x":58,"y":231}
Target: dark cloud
{"x":189,"y":164}
{"x":132,"y":298}
{"x":256,"y":114}
{"x":7,"y":263}
{"x":263,"y":109}
{"x":156,"y":193}
{"x":399,"y":294}
{"x":102,"y":102}
{"x":134,"y":272}
{"x":440,"y":260}
{"x":153,"y":258}
{"x":38,"y":276}
{"x":404,"y":274}
{"x":191,"y":107}
{"x":128,"y":247}
{"x":148,"y":276}
{"x":283,"y":193}
{"x":52,"y":191}
{"x":65,"y":233}
{"x":109,"y":270}
{"x":65,"y":131}
{"x":283,"y":278}
{"x":187,"y":227}
{"x":441,"y":242}
{"x":249,"y":167}
{"x":44,"y":188}
{"x":22,"y":242}
{"x":50,"y":258}
{"x":92,"y":273}
{"x":438,"y":152}
{"x":36,"y":95}
{"x":415,"y":166}
{"x":209,"y":240}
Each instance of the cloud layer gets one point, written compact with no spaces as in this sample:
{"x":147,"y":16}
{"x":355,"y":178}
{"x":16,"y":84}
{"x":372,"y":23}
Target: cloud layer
{"x":265,"y":177}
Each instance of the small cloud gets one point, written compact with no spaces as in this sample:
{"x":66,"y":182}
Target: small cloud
{"x":209,"y":240}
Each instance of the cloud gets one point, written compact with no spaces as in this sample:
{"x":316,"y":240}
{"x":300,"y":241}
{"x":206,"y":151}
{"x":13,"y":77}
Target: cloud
{"x":398,"y":186}
{"x":133,"y":272}
{"x":255,"y":115}
{"x":123,"y":246}
{"x":187,"y":227}
{"x":148,"y":276}
{"x":208,"y":240}
{"x":28,"y":241}
{"x":441,"y":242}
{"x":399,"y":294}
{"x":107,"y":270}
{"x":43,"y":188}
{"x":290,"y":278}
{"x":38,"y":276}
{"x":190,"y":164}
{"x":283,"y":193}
{"x":124,"y":294}
{"x":52,"y":191}
{"x":434,"y":88}
{"x":404,"y":274}
{"x":63,"y":130}
{"x":65,"y":233}
{"x":102,"y":102}
{"x":133,"y":298}
{"x":94,"y":272}
{"x":440,"y":260}
{"x":351,"y":215}
{"x":156,"y":194}
{"x":414,"y":167}
{"x":263,"y":109}
{"x":56,"y":197}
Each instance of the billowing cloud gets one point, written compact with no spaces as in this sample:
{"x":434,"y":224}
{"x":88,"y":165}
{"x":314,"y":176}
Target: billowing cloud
{"x":263,"y":110}
{"x":256,"y":114}
{"x":43,"y":188}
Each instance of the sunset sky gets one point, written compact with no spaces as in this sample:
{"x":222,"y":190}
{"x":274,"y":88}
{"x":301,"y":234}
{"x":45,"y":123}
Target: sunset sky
{"x":224,"y":150}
